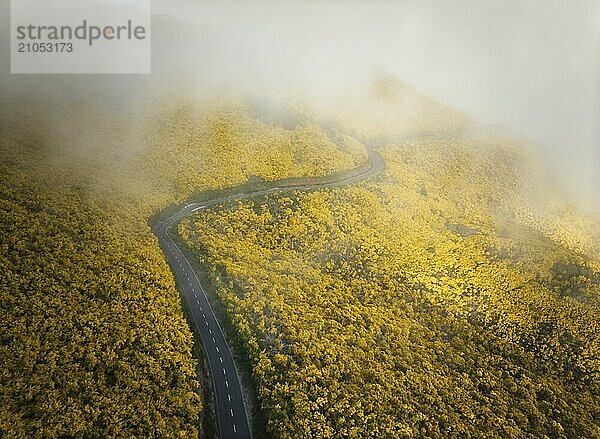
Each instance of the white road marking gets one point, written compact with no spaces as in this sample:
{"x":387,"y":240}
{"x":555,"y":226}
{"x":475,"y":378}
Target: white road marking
{"x":206,"y":323}
{"x":209,"y":331}
{"x":229,"y":397}
{"x":176,"y":251}
{"x":203,"y":315}
{"x":221,"y":359}
{"x":224,"y":371}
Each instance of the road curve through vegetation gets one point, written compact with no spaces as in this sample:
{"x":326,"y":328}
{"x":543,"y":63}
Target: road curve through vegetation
{"x":231,"y":413}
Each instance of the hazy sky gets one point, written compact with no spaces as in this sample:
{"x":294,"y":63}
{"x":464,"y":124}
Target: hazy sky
{"x":533,"y":66}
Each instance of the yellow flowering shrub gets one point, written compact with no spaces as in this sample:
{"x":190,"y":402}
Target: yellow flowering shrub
{"x":418,"y":304}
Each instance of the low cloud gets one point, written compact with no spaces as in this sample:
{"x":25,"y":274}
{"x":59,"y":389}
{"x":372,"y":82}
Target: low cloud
{"x":533,"y":68}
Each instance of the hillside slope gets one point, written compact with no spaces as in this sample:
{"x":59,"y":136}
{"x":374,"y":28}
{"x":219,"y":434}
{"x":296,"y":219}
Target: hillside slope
{"x":425,"y":303}
{"x":93,"y":341}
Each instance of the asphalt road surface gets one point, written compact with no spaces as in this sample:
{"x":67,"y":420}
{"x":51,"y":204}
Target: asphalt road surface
{"x":231,"y":413}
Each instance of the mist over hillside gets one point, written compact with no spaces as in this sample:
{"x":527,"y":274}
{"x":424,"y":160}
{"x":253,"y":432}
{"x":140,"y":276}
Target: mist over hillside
{"x":339,"y":219}
{"x":532,"y":69}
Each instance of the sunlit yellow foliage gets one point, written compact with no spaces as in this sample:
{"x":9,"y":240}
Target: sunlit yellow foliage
{"x":190,"y":150}
{"x":416,"y":305}
{"x":93,"y":342}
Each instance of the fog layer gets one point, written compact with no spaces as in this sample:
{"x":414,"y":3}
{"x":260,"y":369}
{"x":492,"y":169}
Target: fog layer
{"x":532,"y":67}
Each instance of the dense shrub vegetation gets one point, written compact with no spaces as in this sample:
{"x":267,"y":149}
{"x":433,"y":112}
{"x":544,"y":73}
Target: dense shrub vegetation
{"x":449,"y":297}
{"x":190,"y":150}
{"x":93,"y":342}
{"x":440,"y":300}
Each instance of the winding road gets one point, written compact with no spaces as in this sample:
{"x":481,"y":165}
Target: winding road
{"x":231,"y":414}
